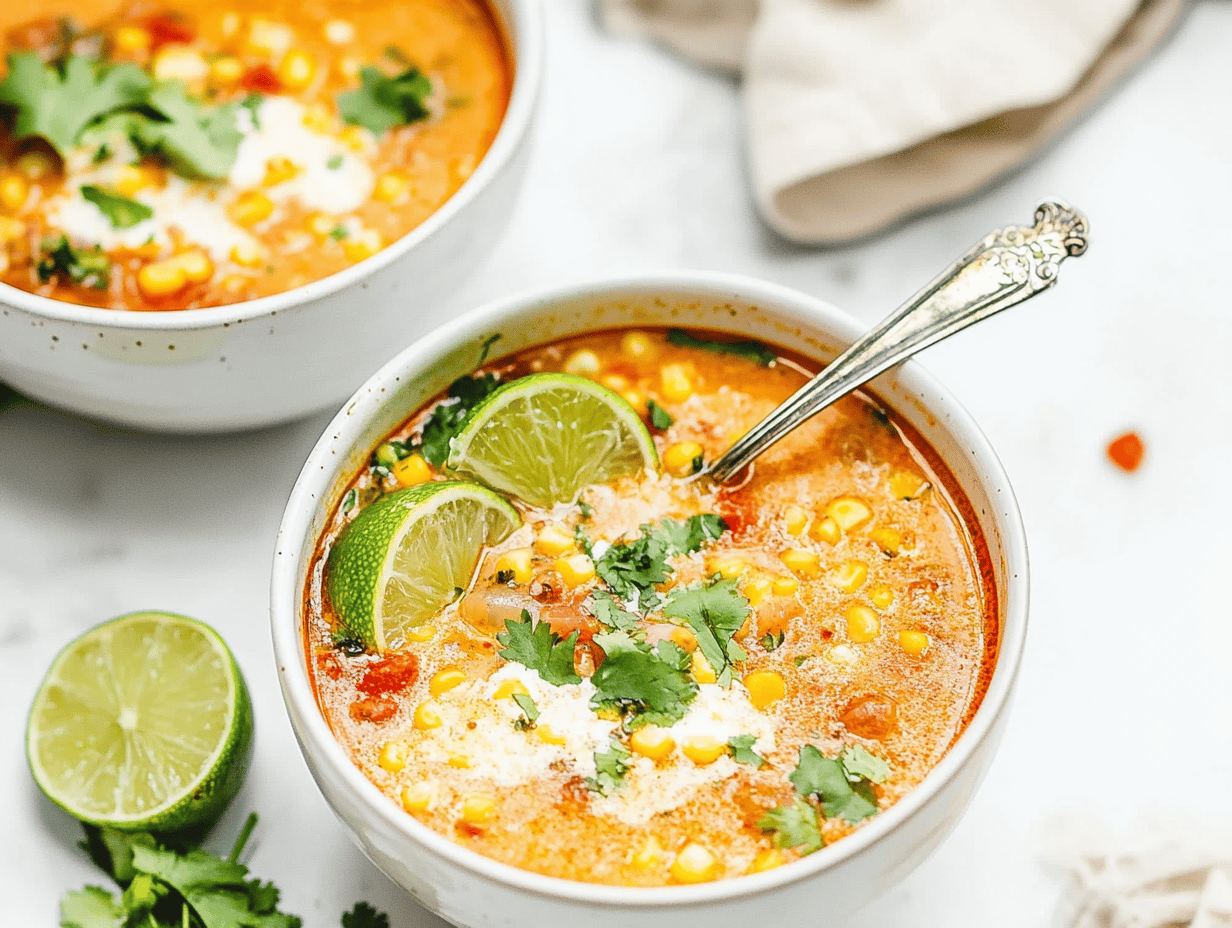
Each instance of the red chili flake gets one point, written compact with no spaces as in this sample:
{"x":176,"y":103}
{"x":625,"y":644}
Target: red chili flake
{"x":261,"y":79}
{"x":1126,"y":451}
{"x":166,"y":29}
{"x":381,"y":709}
{"x":390,"y":675}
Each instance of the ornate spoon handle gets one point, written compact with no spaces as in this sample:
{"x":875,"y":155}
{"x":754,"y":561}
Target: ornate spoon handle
{"x":1007,"y":267}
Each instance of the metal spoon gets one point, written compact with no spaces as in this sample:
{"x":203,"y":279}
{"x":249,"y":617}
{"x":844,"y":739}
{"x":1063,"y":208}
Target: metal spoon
{"x":1007,"y":267}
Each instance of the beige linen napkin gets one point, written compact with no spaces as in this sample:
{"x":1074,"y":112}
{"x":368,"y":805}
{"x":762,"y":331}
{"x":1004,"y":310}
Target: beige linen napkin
{"x":861,"y":112}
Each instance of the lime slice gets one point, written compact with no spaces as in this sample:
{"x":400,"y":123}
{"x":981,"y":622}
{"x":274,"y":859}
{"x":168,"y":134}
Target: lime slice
{"x":406,"y":556}
{"x":142,"y":724}
{"x":544,"y":437}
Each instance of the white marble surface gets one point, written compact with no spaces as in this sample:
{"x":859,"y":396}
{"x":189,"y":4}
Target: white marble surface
{"x":1125,"y":707}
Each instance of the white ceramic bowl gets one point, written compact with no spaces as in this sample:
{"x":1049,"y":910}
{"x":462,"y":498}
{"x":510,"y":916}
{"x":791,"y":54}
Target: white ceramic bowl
{"x":284,"y":356}
{"x":475,"y":892}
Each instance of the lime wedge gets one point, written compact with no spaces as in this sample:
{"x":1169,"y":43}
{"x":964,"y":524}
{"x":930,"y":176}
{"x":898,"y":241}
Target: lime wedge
{"x":142,"y":724}
{"x":409,"y":554}
{"x":544,"y":437}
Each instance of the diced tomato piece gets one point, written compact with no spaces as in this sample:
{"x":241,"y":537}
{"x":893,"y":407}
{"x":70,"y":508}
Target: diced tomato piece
{"x":381,"y":709}
{"x":166,"y":29}
{"x":566,"y":618}
{"x":1126,"y":451}
{"x":261,"y":79}
{"x":390,"y":675}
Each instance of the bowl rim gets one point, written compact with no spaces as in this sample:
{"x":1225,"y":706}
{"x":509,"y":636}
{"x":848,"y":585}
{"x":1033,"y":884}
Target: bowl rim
{"x":342,"y":431}
{"x":523,"y":28}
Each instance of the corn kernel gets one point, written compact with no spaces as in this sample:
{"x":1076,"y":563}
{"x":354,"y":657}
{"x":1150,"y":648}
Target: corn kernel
{"x":35,"y":165}
{"x":418,"y":797}
{"x":14,"y":191}
{"x":675,"y":382}
{"x":842,"y":655}
{"x":11,"y":229}
{"x":458,"y":761}
{"x":361,"y":246}
{"x":849,"y":512}
{"x":575,"y":569}
{"x":392,"y":756}
{"x":700,"y":668}
{"x":269,"y":39}
{"x":684,"y":639}
{"x":889,"y":540}
{"x":226,"y":71}
{"x":445,"y":679}
{"x":230,"y":25}
{"x":339,"y":32}
{"x":726,"y":566}
{"x":756,"y":589}
{"x":802,"y":562}
{"x":411,"y":471}
{"x":548,"y":735}
{"x":848,"y":576}
{"x":584,"y":361}
{"x":517,"y":563}
{"x":703,"y":749}
{"x":131,"y":39}
{"x":615,"y":382}
{"x":198,"y":268}
{"x":297,"y":70}
{"x":162,"y":278}
{"x":248,"y":253}
{"x":827,"y":530}
{"x":862,"y":624}
{"x":905,"y":484}
{"x":508,"y":687}
{"x":427,"y":715}
{"x":234,"y":283}
{"x":784,"y":586}
{"x":278,"y":170}
{"x":638,"y":346}
{"x":390,"y":186}
{"x":421,"y":634}
{"x":133,"y":177}
{"x":648,"y":855}
{"x":653,"y":742}
{"x":318,"y":118}
{"x":683,"y":459}
{"x":765,"y":688}
{"x":478,"y":809}
{"x":356,"y":138}
{"x":795,"y":519}
{"x":321,"y":225}
{"x":695,"y":864}
{"x":635,"y":398}
{"x":914,"y":642}
{"x":881,"y":596}
{"x":177,"y":62}
{"x":250,"y":207}
{"x":554,"y":540}
{"x":768,"y":860}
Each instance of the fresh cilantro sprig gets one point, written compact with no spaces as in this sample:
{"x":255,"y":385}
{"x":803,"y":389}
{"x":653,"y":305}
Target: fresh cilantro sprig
{"x":382,"y":102}
{"x":534,"y":645}
{"x":660,"y":418}
{"x":715,"y":612}
{"x":449,"y":415}
{"x":632,"y":569}
{"x":364,"y":916}
{"x":754,"y":351}
{"x":121,"y":212}
{"x":196,"y":140}
{"x":610,"y":768}
{"x":794,"y":826}
{"x":741,"y":747}
{"x":530,"y":711}
{"x":611,"y":615}
{"x":648,"y":685}
{"x":84,"y":267}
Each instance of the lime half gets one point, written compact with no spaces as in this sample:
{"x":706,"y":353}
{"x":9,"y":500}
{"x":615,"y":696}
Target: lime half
{"x":142,"y":724}
{"x":409,"y":554}
{"x":544,"y":437}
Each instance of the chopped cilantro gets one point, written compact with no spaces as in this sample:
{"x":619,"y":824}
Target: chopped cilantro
{"x":610,"y":768}
{"x":196,"y":140}
{"x":364,"y":916}
{"x":447,"y":417}
{"x":334,"y":162}
{"x":252,"y":103}
{"x":801,"y":659}
{"x":586,"y":510}
{"x":635,"y":567}
{"x":583,"y":540}
{"x":714,"y":612}
{"x":534,"y":645}
{"x":742,"y":752}
{"x":794,"y":826}
{"x":101,"y":154}
{"x":339,"y":232}
{"x":87,"y":268}
{"x":395,"y":54}
{"x":843,"y":793}
{"x":660,"y":418}
{"x":754,"y":351}
{"x":528,"y":707}
{"x":381,"y":102}
{"x":649,"y":684}
{"x":772,"y":641}
{"x":859,"y":763}
{"x":121,"y":212}
{"x":691,"y":534}
{"x":609,"y":613}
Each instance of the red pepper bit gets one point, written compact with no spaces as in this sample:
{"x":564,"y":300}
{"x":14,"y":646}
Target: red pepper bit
{"x":166,"y":29}
{"x":261,"y":79}
{"x":1126,"y":451}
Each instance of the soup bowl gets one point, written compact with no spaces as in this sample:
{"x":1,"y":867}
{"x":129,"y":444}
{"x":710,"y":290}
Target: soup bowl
{"x":474,"y":891}
{"x":281,"y":357}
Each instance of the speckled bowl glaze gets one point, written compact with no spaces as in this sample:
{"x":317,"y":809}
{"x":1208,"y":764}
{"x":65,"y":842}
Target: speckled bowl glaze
{"x":281,"y":357}
{"x":475,"y":892}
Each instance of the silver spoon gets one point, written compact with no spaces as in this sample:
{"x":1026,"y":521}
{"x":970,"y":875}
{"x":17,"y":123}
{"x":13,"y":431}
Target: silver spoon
{"x":1007,"y":267}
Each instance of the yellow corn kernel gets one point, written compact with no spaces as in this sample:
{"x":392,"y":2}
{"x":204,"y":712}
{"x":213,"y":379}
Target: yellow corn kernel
{"x":198,"y":268}
{"x":427,"y":715}
{"x":418,"y":797}
{"x":392,"y":756}
{"x":583,"y":362}
{"x":321,"y":225}
{"x":768,"y":860}
{"x":615,"y":382}
{"x":250,"y":207}
{"x":35,"y":165}
{"x":575,"y":569}
{"x":848,"y":576}
{"x":700,"y":668}
{"x":421,"y":634}
{"x":390,"y":186}
{"x":675,"y":382}
{"x":478,"y":809}
{"x":445,"y":679}
{"x":230,"y":24}
{"x":906,"y":484}
{"x":881,"y":595}
{"x":801,"y":562}
{"x":11,"y":229}
{"x":361,"y":246}
{"x":638,"y":346}
{"x":684,"y":639}
{"x":862,"y":624}
{"x":648,"y":855}
{"x":795,"y":519}
{"x":842,"y":655}
{"x":269,"y":39}
{"x":703,"y":749}
{"x":549,"y":736}
{"x":318,"y":118}
{"x":653,"y":742}
{"x":177,"y":62}
{"x":297,"y":69}
{"x":279,"y":170}
{"x":517,"y":563}
{"x":849,"y":512}
{"x":508,"y":687}
{"x":554,"y":540}
{"x":131,"y":39}
{"x":356,"y":138}
{"x":726,"y":566}
{"x":132,"y":178}
{"x":756,"y":589}
{"x":827,"y":530}
{"x":14,"y":191}
{"x":913,"y":641}
{"x":683,"y":459}
{"x":889,"y":540}
{"x":784,"y":586}
{"x":411,"y":471}
{"x":765,"y":688}
{"x":248,"y":253}
{"x":339,"y":32}
{"x":162,"y":278}
{"x":458,"y":761}
{"x":635,"y":398}
{"x":226,"y":71}
{"x":695,"y":864}
{"x":234,"y":283}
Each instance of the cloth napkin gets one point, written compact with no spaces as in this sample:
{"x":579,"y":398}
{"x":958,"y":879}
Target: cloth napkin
{"x":862,"y":112}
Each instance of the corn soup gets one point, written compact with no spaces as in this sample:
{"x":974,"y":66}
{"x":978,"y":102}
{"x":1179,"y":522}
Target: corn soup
{"x":669,"y":681}
{"x":170,"y":155}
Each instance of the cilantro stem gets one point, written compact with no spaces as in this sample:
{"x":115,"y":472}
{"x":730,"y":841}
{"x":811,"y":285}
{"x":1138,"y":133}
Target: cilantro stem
{"x":245,"y":834}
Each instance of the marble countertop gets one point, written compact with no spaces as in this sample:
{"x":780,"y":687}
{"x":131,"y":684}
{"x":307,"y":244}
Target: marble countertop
{"x":639,"y":165}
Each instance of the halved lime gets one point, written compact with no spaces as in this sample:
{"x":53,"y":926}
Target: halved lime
{"x":406,"y":556}
{"x":544,"y":437}
{"x":142,"y":724}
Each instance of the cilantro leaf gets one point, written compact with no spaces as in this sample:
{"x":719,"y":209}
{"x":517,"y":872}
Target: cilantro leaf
{"x":742,"y":750}
{"x":534,"y":645}
{"x":753,"y":351}
{"x":364,"y":916}
{"x":450,"y":414}
{"x":58,"y":103}
{"x":610,"y":768}
{"x":527,"y":705}
{"x":794,"y":826}
{"x":660,"y":418}
{"x":632,"y":569}
{"x":860,"y":764}
{"x":381,"y":102}
{"x":826,"y":778}
{"x":609,"y":613}
{"x":121,"y":212}
{"x":691,"y":534}
{"x":84,"y":267}
{"x":195,"y":139}
{"x":187,"y":872}
{"x":91,"y":907}
{"x":633,"y":677}
{"x":715,"y":613}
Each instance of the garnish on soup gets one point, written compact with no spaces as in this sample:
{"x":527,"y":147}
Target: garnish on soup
{"x":643,"y":678}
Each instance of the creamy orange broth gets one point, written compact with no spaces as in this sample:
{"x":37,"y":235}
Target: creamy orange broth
{"x":283,"y":216}
{"x":888,"y":633}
